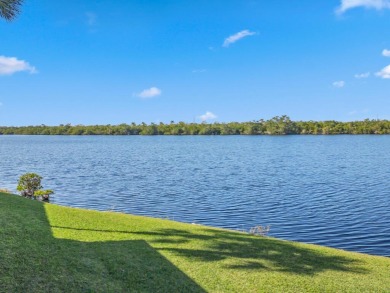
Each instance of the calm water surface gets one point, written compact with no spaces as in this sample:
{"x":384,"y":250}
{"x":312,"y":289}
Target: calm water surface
{"x":329,"y":190}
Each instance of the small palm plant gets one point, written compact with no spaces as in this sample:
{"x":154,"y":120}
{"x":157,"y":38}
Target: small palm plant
{"x":9,"y":9}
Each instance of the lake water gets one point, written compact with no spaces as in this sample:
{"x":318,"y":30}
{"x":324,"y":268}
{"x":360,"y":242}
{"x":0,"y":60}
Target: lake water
{"x":329,"y":190}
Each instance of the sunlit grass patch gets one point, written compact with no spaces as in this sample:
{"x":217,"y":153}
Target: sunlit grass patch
{"x":51,"y":248}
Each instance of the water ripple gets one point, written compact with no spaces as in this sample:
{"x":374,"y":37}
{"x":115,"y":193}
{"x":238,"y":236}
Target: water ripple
{"x":329,"y":190}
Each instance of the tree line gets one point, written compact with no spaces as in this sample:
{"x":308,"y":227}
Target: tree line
{"x":279,"y":125}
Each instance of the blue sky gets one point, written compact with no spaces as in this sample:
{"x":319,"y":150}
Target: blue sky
{"x":110,"y":62}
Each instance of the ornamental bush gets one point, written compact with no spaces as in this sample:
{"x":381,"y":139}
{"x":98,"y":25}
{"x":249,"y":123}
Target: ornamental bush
{"x":29,"y":186}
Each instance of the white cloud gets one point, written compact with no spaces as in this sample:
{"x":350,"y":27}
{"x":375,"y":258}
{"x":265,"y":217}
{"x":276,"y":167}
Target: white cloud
{"x":207,"y":116}
{"x":236,"y":37}
{"x":350,"y":4}
{"x":339,"y":84}
{"x":91,"y":18}
{"x":150,"y":93}
{"x":386,"y":53}
{"x":362,"y":75}
{"x":384,"y":73}
{"x":11,"y":65}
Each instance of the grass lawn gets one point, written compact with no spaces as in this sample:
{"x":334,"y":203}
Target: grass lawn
{"x":50,"y":248}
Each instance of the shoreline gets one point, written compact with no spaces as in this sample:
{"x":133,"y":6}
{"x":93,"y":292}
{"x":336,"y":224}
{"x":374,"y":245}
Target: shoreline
{"x":47,"y":247}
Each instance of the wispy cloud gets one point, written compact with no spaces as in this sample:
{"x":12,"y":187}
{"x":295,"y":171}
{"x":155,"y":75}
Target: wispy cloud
{"x":236,"y":37}
{"x":11,"y":65}
{"x":91,"y":18}
{"x":362,"y":75}
{"x":207,"y":116}
{"x":359,"y":112}
{"x":386,"y":53}
{"x":339,"y":84}
{"x":350,"y":4}
{"x":149,"y":93}
{"x":199,"y":70}
{"x":384,"y":73}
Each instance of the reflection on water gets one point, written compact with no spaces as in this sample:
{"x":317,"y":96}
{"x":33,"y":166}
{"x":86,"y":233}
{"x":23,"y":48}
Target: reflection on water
{"x":330,"y":190}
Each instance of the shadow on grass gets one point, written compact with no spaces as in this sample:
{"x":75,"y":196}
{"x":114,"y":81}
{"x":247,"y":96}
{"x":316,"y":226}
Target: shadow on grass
{"x":254,"y":252}
{"x":32,"y":260}
{"x":250,"y":252}
{"x":91,"y":230}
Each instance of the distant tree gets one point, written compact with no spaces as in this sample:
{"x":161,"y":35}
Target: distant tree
{"x":29,"y":186}
{"x":9,"y":8}
{"x":280,"y":125}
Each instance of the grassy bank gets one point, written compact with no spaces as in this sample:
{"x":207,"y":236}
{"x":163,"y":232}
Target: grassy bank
{"x":49,"y":248}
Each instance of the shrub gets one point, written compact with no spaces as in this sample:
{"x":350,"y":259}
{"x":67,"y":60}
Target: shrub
{"x":29,"y":186}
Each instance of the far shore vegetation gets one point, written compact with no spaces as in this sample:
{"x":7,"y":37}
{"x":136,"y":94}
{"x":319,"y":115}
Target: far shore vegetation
{"x":279,"y":125}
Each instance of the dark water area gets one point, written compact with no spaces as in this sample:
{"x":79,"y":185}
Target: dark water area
{"x":328,"y":190}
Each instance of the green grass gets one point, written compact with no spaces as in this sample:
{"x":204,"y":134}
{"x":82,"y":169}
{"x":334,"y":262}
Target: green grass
{"x":49,"y":248}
